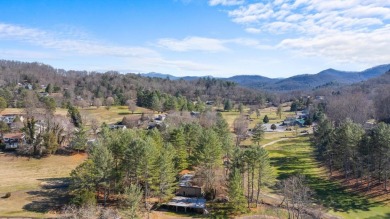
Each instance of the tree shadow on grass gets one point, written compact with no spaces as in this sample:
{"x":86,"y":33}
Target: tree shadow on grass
{"x":386,"y":216}
{"x":124,"y":113}
{"x":328,"y":193}
{"x":332,"y":195}
{"x":52,"y":195}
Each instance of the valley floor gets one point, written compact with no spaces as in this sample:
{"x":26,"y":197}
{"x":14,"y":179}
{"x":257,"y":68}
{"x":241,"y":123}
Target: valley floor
{"x":38,"y":186}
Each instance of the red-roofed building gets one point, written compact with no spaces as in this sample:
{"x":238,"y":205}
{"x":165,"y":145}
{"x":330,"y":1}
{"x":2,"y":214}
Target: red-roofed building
{"x":13,"y":140}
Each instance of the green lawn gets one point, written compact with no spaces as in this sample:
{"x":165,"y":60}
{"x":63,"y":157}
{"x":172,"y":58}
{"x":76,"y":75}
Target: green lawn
{"x":296,"y":156}
{"x":270,"y":112}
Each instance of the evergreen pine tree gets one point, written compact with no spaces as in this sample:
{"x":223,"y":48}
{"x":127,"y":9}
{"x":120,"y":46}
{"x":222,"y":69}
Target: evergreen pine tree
{"x":258,"y":133}
{"x":236,"y":192}
{"x":165,"y":177}
{"x":266,"y":119}
{"x":177,"y":139}
{"x":79,"y":141}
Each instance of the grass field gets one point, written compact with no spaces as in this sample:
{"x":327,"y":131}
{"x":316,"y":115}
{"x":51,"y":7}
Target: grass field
{"x":36,"y":185}
{"x":115,"y":114}
{"x":296,"y":156}
{"x":270,"y":112}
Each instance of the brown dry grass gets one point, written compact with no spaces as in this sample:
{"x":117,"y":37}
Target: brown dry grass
{"x":25,"y":177}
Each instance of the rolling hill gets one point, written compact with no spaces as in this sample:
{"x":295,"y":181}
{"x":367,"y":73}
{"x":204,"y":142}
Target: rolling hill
{"x":329,"y":77}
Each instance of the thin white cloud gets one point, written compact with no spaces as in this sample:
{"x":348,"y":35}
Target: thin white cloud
{"x":253,"y":30}
{"x":345,"y":46}
{"x":226,"y":2}
{"x":25,"y":54}
{"x":193,"y":44}
{"x":81,"y":46}
{"x":251,"y":13}
{"x":153,"y":63}
{"x":345,"y":31}
{"x":121,"y":57}
{"x":204,"y":44}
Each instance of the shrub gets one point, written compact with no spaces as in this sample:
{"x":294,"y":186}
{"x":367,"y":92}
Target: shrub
{"x":266,"y":119}
{"x":2,"y":146}
{"x":84,"y":197}
{"x":7,"y":195}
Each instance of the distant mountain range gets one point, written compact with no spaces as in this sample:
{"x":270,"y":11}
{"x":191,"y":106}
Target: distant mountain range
{"x":298,"y":82}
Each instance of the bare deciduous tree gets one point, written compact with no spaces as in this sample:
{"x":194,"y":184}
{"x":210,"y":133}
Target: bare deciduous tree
{"x":97,"y":102}
{"x":89,"y":212}
{"x":240,"y":127}
{"x":296,"y":195}
{"x":355,"y":106}
{"x":131,"y":105}
{"x":95,"y":125}
{"x":109,"y":102}
{"x":81,"y":103}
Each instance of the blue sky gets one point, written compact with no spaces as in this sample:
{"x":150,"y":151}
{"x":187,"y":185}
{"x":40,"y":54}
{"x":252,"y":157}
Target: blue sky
{"x":278,"y":38}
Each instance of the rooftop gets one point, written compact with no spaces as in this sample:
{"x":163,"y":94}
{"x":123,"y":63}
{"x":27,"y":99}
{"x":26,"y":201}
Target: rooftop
{"x":186,"y":179}
{"x":180,"y":201}
{"x":13,"y":135}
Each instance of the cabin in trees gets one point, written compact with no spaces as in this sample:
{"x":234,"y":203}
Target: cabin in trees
{"x":187,"y":189}
{"x":160,"y":118}
{"x":189,"y":198}
{"x":302,"y":114}
{"x":209,"y":102}
{"x":195,"y":114}
{"x":114,"y":126}
{"x":293,"y":121}
{"x":9,"y":118}
{"x":13,"y":140}
{"x":187,"y":204}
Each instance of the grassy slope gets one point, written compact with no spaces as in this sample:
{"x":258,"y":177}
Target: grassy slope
{"x":26,"y":178}
{"x":296,"y":156}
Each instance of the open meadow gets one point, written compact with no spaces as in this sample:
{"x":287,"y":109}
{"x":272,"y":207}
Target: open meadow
{"x":295,"y":155}
{"x":113,"y":115}
{"x":270,"y":112}
{"x":37,"y":186}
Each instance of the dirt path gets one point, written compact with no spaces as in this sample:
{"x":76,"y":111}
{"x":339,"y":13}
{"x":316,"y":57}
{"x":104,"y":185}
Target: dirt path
{"x":281,"y":139}
{"x":273,"y":142}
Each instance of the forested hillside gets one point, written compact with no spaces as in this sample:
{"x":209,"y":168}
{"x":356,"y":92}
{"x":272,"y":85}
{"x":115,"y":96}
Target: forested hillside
{"x":83,"y":88}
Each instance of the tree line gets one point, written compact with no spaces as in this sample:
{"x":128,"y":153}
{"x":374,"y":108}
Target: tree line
{"x":83,"y":88}
{"x":360,"y":154}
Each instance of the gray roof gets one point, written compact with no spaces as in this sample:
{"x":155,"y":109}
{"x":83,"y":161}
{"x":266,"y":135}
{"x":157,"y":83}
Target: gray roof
{"x":181,"y":201}
{"x":186,"y":179}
